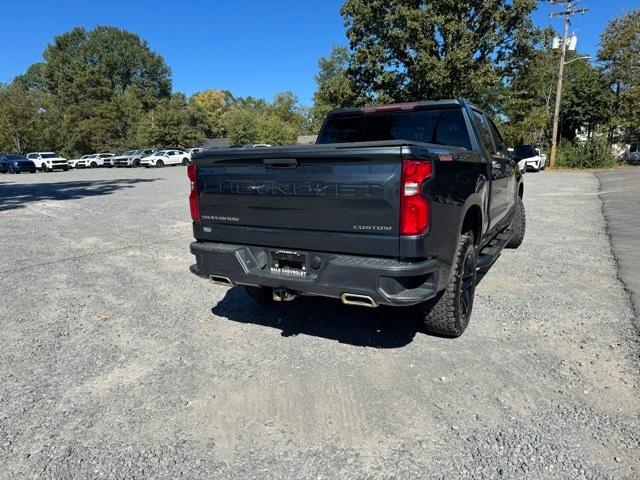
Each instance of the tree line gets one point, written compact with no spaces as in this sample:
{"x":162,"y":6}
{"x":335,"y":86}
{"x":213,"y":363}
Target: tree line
{"x":489,"y":52}
{"x":104,"y":89}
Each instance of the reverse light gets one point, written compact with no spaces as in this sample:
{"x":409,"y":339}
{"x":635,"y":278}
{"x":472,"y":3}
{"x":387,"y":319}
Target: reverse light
{"x":193,"y":194}
{"x":414,"y":206}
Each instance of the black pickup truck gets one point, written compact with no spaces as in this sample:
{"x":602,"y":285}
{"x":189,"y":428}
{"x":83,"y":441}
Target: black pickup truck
{"x":394,"y":205}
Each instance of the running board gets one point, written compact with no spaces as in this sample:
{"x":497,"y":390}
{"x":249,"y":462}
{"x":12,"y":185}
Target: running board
{"x":489,"y":254}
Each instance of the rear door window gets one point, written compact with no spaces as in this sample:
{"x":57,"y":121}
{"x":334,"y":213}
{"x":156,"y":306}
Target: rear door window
{"x":484,"y":131}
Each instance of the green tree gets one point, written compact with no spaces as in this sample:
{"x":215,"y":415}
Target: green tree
{"x":170,"y":124}
{"x":120,"y":57}
{"x":275,"y":131}
{"x":242,"y":126}
{"x":209,"y":107}
{"x":252,"y":120}
{"x":586,"y":99}
{"x":20,"y":118}
{"x":94,"y":88}
{"x":620,"y":58}
{"x":413,"y":50}
{"x":336,"y":87}
{"x":527,"y":101}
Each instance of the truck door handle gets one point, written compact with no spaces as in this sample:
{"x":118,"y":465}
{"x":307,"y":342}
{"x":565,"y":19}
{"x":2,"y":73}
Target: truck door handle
{"x":280,"y":163}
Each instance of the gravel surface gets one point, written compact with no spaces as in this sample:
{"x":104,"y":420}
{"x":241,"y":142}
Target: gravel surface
{"x":118,"y":363}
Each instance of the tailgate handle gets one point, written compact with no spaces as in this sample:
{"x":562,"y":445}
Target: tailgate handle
{"x":280,"y":163}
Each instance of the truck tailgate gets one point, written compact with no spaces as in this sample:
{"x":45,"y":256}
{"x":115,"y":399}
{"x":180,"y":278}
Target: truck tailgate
{"x":318,"y":197}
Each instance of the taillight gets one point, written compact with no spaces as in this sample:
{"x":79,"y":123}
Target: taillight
{"x":414,"y":207}
{"x":193,"y":195}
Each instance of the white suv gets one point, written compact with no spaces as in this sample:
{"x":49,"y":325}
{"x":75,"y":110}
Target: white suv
{"x":105,"y":159}
{"x":83,"y":162}
{"x":48,"y":161}
{"x":92,"y":161}
{"x":166,"y":157}
{"x":531,"y":157}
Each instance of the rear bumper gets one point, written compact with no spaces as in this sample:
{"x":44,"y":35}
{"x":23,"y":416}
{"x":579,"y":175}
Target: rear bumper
{"x":386,"y":281}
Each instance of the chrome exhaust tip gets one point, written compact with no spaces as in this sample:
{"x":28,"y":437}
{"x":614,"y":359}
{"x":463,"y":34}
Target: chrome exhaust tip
{"x":358,"y":300}
{"x":220,"y":280}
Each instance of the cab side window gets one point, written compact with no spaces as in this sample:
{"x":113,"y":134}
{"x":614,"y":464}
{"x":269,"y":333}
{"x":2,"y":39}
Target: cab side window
{"x":485,"y":132}
{"x":501,"y":148}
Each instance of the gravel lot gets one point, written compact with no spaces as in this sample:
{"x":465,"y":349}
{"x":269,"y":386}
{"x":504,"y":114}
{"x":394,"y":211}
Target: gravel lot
{"x":118,"y":363}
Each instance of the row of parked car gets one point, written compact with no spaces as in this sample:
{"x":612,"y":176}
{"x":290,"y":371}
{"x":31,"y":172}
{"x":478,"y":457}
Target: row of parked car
{"x":49,"y":161}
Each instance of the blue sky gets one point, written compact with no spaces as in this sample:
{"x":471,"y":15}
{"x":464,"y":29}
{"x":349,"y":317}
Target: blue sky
{"x":251,"y":47}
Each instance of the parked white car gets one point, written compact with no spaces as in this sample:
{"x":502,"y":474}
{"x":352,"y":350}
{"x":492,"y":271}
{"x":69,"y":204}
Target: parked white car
{"x":48,"y":161}
{"x":531,"y":157}
{"x":191,"y":151}
{"x":165,"y":157}
{"x":92,"y":161}
{"x":522,"y":166}
{"x":83,"y":161}
{"x":105,"y":159}
{"x":130,"y":158}
{"x":543,"y":156}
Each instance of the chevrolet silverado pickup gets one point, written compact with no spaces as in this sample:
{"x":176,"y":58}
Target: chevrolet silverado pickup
{"x":397,"y":205}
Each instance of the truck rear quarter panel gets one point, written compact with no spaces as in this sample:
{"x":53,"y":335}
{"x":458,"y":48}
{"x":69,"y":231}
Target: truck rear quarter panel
{"x":458,"y":184}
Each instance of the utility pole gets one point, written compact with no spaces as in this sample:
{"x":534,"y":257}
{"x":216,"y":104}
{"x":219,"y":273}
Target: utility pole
{"x":567,"y":13}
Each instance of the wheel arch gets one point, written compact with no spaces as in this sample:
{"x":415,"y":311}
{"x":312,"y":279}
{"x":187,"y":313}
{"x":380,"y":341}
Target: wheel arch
{"x":472,"y":221}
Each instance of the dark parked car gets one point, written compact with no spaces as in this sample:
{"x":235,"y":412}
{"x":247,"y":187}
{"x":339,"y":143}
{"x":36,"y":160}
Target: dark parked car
{"x":16,"y":163}
{"x":395,"y":205}
{"x":632,"y":155}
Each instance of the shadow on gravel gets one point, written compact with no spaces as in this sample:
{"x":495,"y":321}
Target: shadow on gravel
{"x":14,"y":195}
{"x":384,"y":327}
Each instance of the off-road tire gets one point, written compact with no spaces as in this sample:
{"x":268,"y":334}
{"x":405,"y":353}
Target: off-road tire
{"x":518,"y":225}
{"x":259,"y":294}
{"x":448,"y":314}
